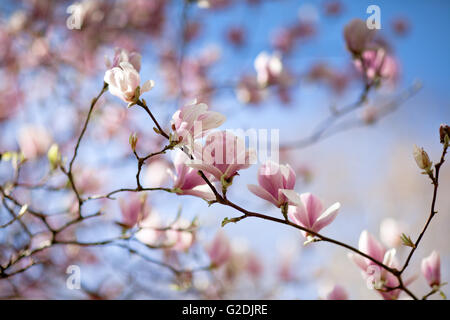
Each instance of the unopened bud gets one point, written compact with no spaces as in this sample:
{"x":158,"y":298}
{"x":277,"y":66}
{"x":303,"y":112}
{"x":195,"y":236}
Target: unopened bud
{"x":444,"y":130}
{"x":133,"y":141}
{"x":422,"y":159}
{"x":54,"y":157}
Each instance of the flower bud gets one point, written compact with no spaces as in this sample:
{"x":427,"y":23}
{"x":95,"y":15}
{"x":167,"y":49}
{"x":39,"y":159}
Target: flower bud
{"x":53,"y":155}
{"x":444,"y":130}
{"x":133,"y":141}
{"x":422,"y":159}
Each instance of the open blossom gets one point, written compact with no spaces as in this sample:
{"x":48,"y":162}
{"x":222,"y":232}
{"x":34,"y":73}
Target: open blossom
{"x":223,"y":155}
{"x":268,"y":68}
{"x":124,"y":82}
{"x":307,"y":211}
{"x":122,"y":55}
{"x":380,"y":278}
{"x":193,"y":121}
{"x":272,"y":179}
{"x":377,"y":63}
{"x":357,"y":36}
{"x":431,"y":269}
{"x":219,"y":251}
{"x":187,"y":181}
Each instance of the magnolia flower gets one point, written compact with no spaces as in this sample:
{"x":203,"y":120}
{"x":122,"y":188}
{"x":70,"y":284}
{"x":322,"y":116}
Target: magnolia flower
{"x":223,"y":155}
{"x":193,"y":121}
{"x":337,"y":293}
{"x":124,"y":82}
{"x":431,"y":269}
{"x":307,"y":211}
{"x":133,"y":210}
{"x":268,"y":68}
{"x":122,"y":55}
{"x":422,"y":159}
{"x":34,"y":141}
{"x":376,"y":63}
{"x":272,"y":179}
{"x":357,"y":36}
{"x":219,"y":251}
{"x":177,"y":237}
{"x":378,"y":277}
{"x":187,"y":181}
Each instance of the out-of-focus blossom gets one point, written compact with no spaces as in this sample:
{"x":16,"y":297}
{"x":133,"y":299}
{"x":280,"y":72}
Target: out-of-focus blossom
{"x":307,"y":211}
{"x":219,"y":251}
{"x":133,"y":210}
{"x":333,"y":7}
{"x":422,"y":159}
{"x":223,"y":155}
{"x":268,"y":68}
{"x":254,"y":265}
{"x":283,"y":40}
{"x":249,"y":91}
{"x":191,"y":30}
{"x":272,"y":179}
{"x":337,"y":293}
{"x":378,"y":64}
{"x":357,"y":36}
{"x":187,"y":181}
{"x":122,"y":55}
{"x":34,"y":141}
{"x":336,"y":79}
{"x":124,"y":82}
{"x":401,"y":26}
{"x":236,"y":36}
{"x":193,"y":121}
{"x":156,"y":173}
{"x":431,"y":269}
{"x":390,"y":232}
{"x":213,"y":4}
{"x":178,"y":237}
{"x":150,"y":231}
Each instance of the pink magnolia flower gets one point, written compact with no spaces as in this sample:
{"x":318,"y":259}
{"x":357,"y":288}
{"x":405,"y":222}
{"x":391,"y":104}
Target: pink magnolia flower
{"x":122,"y":55}
{"x":268,"y":68}
{"x":133,"y":210}
{"x":34,"y":141}
{"x":150,"y":232}
{"x":357,"y":36}
{"x":187,"y":181}
{"x":223,"y":155}
{"x":307,"y":211}
{"x":390,"y":232}
{"x":272,"y":179}
{"x":193,"y":121}
{"x":178,"y":237}
{"x":337,"y":293}
{"x":431,"y":269}
{"x":379,"y":277}
{"x":219,"y":251}
{"x":377,"y":63}
{"x":124,"y":82}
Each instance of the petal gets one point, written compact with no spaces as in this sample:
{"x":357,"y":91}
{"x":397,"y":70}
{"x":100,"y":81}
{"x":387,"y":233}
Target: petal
{"x":293,"y":197}
{"x":207,"y":168}
{"x":327,"y":217}
{"x":147,"y":86}
{"x":313,"y":206}
{"x":260,"y":192}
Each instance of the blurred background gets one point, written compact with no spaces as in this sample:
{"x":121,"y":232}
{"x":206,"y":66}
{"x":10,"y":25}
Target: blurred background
{"x":206,"y":50}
